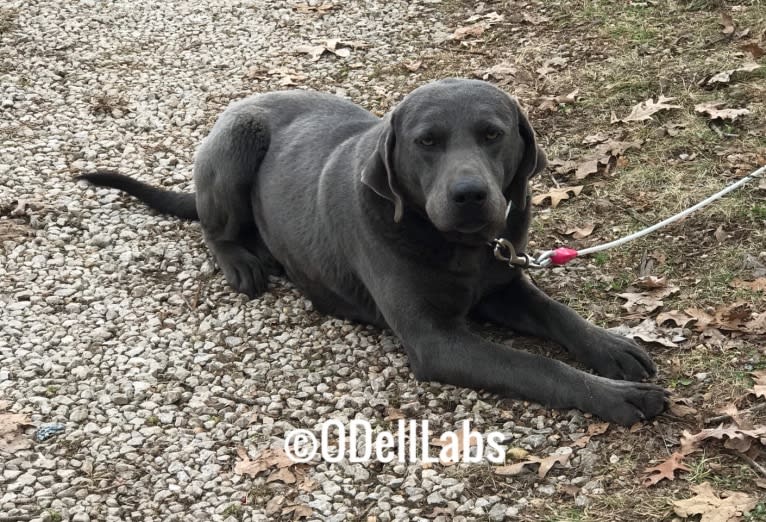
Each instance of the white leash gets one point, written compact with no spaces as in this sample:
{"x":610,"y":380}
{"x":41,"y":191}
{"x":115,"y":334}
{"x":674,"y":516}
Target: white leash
{"x":563,"y":255}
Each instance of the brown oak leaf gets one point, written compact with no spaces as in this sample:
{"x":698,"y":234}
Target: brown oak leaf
{"x":679,"y":407}
{"x":580,"y":232}
{"x":665,"y":470}
{"x":268,"y":458}
{"x":12,"y":436}
{"x":644,"y":110}
{"x":757,"y":285}
{"x":469,"y":31}
{"x":728,"y":507}
{"x":545,"y":464}
{"x":651,"y":282}
{"x":754,"y":49}
{"x":714,"y":113}
{"x":679,"y":318}
{"x":727,"y":24}
{"x":646,"y":331}
{"x":736,"y":438}
{"x":759,"y":385}
{"x":648,"y":301}
{"x":557,"y":195}
{"x":724,"y":77}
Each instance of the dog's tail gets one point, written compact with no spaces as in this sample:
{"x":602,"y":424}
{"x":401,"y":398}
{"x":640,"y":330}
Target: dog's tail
{"x":180,"y":204}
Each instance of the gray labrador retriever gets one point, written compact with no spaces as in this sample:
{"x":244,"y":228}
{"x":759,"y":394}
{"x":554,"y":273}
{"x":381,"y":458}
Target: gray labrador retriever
{"x":386,"y":221}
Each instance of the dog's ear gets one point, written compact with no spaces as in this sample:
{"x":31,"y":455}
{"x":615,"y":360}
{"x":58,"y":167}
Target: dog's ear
{"x":378,"y":173}
{"x":533,"y":160}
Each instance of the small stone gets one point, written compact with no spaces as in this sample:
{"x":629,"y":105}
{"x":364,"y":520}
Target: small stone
{"x":547,"y":490}
{"x":435,"y":498}
{"x":497,"y":513}
{"x":78,"y":414}
{"x":330,"y":488}
{"x":535,"y":440}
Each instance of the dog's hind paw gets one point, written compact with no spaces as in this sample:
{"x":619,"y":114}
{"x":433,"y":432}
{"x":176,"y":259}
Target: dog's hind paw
{"x":243,"y":270}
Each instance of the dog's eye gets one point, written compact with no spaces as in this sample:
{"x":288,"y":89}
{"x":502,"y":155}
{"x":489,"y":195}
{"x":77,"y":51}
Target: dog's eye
{"x":492,"y":134}
{"x":426,"y":141}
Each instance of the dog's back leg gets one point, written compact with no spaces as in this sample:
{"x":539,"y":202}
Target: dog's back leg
{"x":224,"y":172}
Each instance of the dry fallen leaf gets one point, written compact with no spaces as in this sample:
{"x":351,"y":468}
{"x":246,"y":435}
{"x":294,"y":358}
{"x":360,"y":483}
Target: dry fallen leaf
{"x":339,"y":48}
{"x":392,"y":414}
{"x":757,"y":325}
{"x":268,"y":458}
{"x":562,"y":166}
{"x":548,"y":462}
{"x":680,"y":407}
{"x":594,"y":139}
{"x":274,"y":505}
{"x":490,"y":18}
{"x":12,"y":436}
{"x":298,"y":511}
{"x":759,"y":385}
{"x":724,"y":77}
{"x":679,"y":318}
{"x":412,"y":65}
{"x":282,"y":475}
{"x":733,"y":317}
{"x":314,"y":51}
{"x":516,"y":453}
{"x":729,"y":507}
{"x":720,"y":234}
{"x":727,"y":24}
{"x":714,"y":113}
{"x":475,"y":31}
{"x":652,"y":282}
{"x":646,"y":331}
{"x":702,"y":318}
{"x":754,"y":49}
{"x":644,"y":110}
{"x":758,"y":285}
{"x":738,"y":439}
{"x":557,"y":195}
{"x":589,"y":167}
{"x":534,"y":19}
{"x":499,"y":72}
{"x":545,"y":464}
{"x":648,"y":301}
{"x":598,"y":428}
{"x":665,"y":470}
{"x":740,"y":420}
{"x":551,"y":65}
{"x":580,"y":232}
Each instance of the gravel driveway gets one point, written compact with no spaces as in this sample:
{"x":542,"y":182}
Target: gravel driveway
{"x":116,"y":325}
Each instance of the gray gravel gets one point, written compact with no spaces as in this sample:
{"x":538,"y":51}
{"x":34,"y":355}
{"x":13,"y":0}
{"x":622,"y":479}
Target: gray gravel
{"x":116,"y":324}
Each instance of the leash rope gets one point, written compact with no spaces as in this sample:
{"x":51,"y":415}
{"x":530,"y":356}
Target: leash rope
{"x":504,"y":251}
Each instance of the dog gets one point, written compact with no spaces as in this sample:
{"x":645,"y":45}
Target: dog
{"x":387,"y":221}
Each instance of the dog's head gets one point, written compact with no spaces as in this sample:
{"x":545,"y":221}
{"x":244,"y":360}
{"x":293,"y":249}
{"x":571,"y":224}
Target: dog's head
{"x":459,"y":150}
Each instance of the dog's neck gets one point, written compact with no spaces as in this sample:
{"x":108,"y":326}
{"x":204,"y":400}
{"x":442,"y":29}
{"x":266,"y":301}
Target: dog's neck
{"x":418,"y":238}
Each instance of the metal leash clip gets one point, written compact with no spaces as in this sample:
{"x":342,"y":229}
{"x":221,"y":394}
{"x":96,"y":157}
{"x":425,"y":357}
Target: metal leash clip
{"x":505,"y":252}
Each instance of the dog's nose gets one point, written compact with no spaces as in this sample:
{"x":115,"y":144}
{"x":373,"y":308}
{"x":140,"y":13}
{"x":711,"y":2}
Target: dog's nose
{"x":469,"y":192}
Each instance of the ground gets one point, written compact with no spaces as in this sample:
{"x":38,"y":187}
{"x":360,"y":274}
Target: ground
{"x":170,"y":387}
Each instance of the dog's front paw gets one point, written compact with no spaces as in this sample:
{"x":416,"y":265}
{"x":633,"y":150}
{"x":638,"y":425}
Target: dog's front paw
{"x":626,"y":403}
{"x":616,"y":357}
